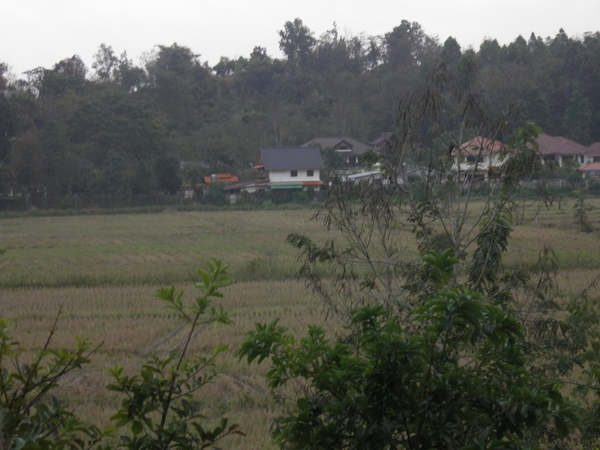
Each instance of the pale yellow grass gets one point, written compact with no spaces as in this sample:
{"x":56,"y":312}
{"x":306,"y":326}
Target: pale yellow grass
{"x":144,"y":251}
{"x":148,"y":248}
{"x":132,"y":324}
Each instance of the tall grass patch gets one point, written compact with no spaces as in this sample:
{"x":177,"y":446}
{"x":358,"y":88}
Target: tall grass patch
{"x":102,"y":271}
{"x":131,"y":324}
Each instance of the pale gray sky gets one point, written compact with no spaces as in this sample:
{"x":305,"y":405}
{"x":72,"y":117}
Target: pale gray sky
{"x":37,"y":33}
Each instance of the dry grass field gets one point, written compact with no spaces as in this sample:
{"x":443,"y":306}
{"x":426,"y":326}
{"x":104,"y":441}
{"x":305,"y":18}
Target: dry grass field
{"x":146,"y":248}
{"x":102,"y":271}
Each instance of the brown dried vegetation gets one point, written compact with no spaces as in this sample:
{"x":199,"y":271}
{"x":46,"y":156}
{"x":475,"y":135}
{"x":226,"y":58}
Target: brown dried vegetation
{"x":103,"y":272}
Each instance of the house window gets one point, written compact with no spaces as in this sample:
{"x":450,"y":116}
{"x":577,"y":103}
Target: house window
{"x":294,"y":173}
{"x":310,"y":173}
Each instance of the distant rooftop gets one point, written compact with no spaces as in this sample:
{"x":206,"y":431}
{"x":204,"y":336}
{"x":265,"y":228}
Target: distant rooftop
{"x":355,"y":146}
{"x":291,"y":158}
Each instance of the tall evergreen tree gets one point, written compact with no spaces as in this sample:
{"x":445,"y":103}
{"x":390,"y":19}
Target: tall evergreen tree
{"x":576,"y":120}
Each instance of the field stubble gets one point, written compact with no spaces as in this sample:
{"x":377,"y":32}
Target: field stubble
{"x":103,"y":271}
{"x":131,"y":324}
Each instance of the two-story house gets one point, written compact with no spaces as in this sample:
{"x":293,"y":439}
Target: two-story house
{"x":478,"y":157}
{"x":350,"y":149}
{"x":290,"y":168}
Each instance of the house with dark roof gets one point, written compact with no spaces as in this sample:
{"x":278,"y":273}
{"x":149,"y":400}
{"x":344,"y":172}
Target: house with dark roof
{"x":284,"y":168}
{"x":384,"y":141}
{"x":291,"y":168}
{"x":351,"y":149}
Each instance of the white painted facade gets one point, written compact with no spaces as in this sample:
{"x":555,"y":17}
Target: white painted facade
{"x":286,"y":176}
{"x":483,"y":162}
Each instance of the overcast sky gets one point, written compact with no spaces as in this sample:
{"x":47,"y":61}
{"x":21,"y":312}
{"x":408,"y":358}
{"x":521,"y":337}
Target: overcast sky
{"x":37,"y":33}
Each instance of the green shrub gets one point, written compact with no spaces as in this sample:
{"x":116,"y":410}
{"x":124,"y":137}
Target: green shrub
{"x":159,"y":409}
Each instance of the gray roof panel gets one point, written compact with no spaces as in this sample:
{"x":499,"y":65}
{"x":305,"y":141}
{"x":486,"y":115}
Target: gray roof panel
{"x":357,"y":147}
{"x":296,"y":158}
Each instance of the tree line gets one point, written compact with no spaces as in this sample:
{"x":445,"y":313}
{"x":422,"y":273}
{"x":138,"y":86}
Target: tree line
{"x":121,"y":129}
{"x":458,"y":348}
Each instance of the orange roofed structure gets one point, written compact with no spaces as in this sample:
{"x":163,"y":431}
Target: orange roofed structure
{"x":221,"y":178}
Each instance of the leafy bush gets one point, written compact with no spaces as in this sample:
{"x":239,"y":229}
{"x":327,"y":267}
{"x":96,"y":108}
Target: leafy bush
{"x":455,"y":376}
{"x":30,"y":416}
{"x":160,"y":408}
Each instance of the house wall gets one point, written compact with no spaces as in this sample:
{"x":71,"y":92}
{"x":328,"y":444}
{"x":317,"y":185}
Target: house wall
{"x":496,"y":159}
{"x":284,"y":176}
{"x":560,"y":159}
{"x":485,"y":160}
{"x":591,"y":174}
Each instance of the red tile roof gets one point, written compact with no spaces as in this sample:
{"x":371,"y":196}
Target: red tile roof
{"x":481,"y":146}
{"x":550,"y":145}
{"x":594,"y":149}
{"x":222,"y":177}
{"x":591,"y":167}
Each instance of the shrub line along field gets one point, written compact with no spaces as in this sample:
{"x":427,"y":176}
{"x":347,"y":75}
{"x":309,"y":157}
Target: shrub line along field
{"x":103,"y":271}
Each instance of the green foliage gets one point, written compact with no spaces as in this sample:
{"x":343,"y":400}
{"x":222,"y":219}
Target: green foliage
{"x":581,"y":212}
{"x":370,"y":265}
{"x":536,"y":108}
{"x":451,"y":52}
{"x":214,"y":195}
{"x":296,"y":42}
{"x":166,"y":170}
{"x":116,"y":177}
{"x":492,"y":243}
{"x":576,"y":121}
{"x":332,"y":85}
{"x":161,"y":409}
{"x":144,"y":181}
{"x":31,"y":417}
{"x":300,"y":197}
{"x":570,"y":171}
{"x":456,"y":376}
{"x":370,"y":158}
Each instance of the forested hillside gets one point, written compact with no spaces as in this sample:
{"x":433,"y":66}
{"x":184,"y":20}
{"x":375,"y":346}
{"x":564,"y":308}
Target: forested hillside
{"x":120,"y":129}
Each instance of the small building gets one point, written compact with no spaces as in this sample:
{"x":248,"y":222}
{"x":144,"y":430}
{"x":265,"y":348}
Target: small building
{"x":560,"y":149}
{"x":594,"y":152}
{"x":407,"y":174}
{"x":250,"y":187}
{"x":479,"y":157}
{"x":296,"y":168}
{"x":591,"y":170}
{"x":351,"y":149}
{"x":291,"y":168}
{"x":384,"y":142}
{"x":221,"y":178}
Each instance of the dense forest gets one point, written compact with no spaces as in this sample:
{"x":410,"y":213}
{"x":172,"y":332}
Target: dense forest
{"x":121,"y":129}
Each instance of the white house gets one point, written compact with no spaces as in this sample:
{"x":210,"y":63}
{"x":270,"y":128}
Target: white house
{"x":478,"y":157}
{"x":290,"y":168}
{"x":559,"y":149}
